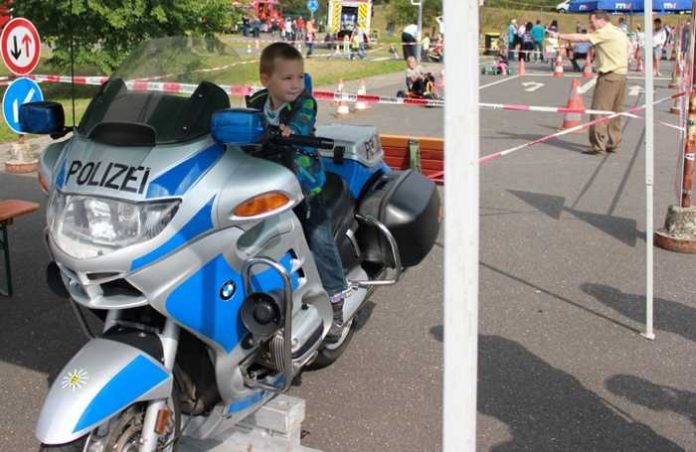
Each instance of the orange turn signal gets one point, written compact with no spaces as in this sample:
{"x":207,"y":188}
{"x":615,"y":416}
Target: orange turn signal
{"x":258,"y":205}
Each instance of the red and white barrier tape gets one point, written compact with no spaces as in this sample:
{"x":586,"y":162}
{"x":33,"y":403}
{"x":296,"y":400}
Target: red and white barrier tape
{"x":438,"y":177}
{"x":542,"y":109}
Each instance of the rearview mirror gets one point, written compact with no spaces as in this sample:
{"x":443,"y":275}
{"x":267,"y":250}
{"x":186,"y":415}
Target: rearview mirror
{"x":42,"y":118}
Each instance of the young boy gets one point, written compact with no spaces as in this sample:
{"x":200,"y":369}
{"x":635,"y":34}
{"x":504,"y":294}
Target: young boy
{"x":418,"y":81}
{"x":286,"y":104}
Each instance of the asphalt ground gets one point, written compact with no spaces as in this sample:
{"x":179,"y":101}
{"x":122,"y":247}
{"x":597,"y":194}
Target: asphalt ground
{"x":561,"y":363}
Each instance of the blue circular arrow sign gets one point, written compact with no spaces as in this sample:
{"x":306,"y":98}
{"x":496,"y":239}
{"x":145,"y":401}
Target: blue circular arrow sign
{"x":312,"y":5}
{"x":20,"y":92}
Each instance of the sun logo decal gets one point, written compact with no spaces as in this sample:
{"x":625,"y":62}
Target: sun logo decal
{"x":75,"y":379}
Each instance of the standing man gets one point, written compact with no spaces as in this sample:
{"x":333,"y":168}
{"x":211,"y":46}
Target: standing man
{"x":512,"y":39}
{"x":408,"y":40}
{"x":610,"y":45}
{"x":538,"y":35}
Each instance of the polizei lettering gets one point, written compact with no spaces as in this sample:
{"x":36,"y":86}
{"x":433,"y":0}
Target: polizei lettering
{"x":115,"y":176}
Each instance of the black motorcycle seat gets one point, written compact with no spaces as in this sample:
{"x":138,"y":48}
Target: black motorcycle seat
{"x":339,"y":203}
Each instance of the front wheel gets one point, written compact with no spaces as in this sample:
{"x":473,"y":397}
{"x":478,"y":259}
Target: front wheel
{"x":331,"y":350}
{"x":124,"y":432}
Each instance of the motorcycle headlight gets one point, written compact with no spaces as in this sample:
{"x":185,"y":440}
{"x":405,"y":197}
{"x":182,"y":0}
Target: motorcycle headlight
{"x":87,"y":226}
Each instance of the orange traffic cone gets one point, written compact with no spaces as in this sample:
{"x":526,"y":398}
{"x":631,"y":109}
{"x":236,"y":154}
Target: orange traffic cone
{"x":676,"y":106}
{"x":342,"y":107}
{"x":676,"y":74}
{"x":587,"y":70}
{"x":248,"y":48}
{"x":576,"y":103}
{"x":522,"y":70}
{"x":558,"y":69}
{"x":362,"y":91}
{"x":258,"y":44}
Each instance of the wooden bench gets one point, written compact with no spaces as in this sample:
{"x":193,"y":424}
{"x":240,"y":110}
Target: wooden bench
{"x":9,"y":210}
{"x":422,"y":154}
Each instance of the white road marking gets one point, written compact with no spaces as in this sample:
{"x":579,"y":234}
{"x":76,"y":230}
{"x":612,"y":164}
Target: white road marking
{"x":635,"y":90}
{"x":530,"y":87}
{"x":507,"y":79}
{"x":587,"y":86}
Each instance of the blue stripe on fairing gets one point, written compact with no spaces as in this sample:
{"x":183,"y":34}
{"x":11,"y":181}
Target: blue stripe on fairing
{"x":60,"y":180}
{"x":196,"y":302}
{"x":138,"y":377}
{"x":200,"y":223}
{"x":353,"y":172}
{"x":179,"y":179}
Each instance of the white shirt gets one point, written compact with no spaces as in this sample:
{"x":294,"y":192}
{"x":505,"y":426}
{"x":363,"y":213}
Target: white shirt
{"x":272,"y":116}
{"x":659,"y":38}
{"x":411,"y":29}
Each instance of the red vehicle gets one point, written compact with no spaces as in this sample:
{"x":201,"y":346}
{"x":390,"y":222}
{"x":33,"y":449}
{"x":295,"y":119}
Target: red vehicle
{"x":5,"y":12}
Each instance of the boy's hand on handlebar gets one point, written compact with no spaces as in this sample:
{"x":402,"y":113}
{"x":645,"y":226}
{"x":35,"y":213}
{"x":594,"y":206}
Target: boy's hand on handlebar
{"x":285,"y":131}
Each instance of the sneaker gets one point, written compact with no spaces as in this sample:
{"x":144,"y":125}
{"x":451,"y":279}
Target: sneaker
{"x":337,"y":302}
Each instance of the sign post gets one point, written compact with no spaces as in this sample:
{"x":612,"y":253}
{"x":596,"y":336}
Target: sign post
{"x":20,"y":47}
{"x":312,"y":6}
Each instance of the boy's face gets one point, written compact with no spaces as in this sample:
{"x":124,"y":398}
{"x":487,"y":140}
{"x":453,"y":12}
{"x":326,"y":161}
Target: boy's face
{"x":287,"y":81}
{"x":411,"y":62}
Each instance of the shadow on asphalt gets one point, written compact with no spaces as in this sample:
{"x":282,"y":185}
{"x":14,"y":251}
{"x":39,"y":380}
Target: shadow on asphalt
{"x":545,"y":408}
{"x":528,"y":137}
{"x":654,"y":396}
{"x":673,"y":317}
{"x":621,"y":228}
{"x":557,"y":296}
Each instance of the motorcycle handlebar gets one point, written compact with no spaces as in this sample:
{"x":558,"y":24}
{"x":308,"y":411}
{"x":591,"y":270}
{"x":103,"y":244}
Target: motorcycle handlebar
{"x":304,"y":140}
{"x":273,"y":135}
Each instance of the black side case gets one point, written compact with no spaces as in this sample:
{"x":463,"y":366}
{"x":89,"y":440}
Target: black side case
{"x":408,"y":204}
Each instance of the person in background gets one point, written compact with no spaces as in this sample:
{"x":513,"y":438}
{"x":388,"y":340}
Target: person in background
{"x":659,"y":41}
{"x":610,"y":45}
{"x":425,"y":47}
{"x":581,"y":50}
{"x":527,"y":42}
{"x":623,"y":26}
{"x":553,"y":26}
{"x":521,"y":30}
{"x":408,"y":40}
{"x":512,"y":39}
{"x":538,"y":35}
{"x":311,"y":36}
{"x":299,"y":29}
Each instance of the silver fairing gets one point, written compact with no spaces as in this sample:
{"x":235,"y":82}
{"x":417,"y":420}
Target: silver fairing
{"x":231,"y":179}
{"x":91,"y":388}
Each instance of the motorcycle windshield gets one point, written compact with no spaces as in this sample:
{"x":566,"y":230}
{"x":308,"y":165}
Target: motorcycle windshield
{"x":164,"y":92}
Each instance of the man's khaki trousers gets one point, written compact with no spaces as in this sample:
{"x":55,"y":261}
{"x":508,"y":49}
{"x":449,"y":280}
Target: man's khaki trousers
{"x":609,"y":94}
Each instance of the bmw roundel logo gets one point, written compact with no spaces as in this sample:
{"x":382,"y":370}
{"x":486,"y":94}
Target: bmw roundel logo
{"x":227,"y":290}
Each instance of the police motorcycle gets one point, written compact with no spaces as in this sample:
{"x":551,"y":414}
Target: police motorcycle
{"x":170,"y":218}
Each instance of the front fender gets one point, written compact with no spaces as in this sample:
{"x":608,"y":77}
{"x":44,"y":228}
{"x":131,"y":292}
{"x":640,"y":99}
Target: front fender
{"x":100,"y":381}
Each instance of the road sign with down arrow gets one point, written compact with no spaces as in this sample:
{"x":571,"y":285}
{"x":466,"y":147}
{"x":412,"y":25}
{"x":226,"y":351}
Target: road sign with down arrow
{"x":20,"y":46}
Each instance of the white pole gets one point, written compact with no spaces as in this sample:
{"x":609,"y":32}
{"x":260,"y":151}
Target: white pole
{"x":461,"y":226}
{"x":649,"y":134}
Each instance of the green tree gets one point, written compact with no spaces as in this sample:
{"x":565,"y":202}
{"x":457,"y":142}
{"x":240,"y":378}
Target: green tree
{"x":403,"y":12}
{"x":104,"y":31}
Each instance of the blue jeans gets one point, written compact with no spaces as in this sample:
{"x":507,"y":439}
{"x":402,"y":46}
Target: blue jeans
{"x":317,"y":229}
